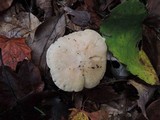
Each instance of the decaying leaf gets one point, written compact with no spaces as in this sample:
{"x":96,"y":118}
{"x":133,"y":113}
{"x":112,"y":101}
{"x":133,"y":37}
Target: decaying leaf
{"x":153,"y":111}
{"x":22,"y":24}
{"x":100,"y":94}
{"x":5,"y":4}
{"x":109,"y":4}
{"x":123,"y":31}
{"x":151,"y":45}
{"x":72,"y":26}
{"x":14,"y":50}
{"x":30,"y":77}
{"x":14,"y":86}
{"x":45,"y":35}
{"x":151,"y":42}
{"x":78,"y":115}
{"x":43,"y":105}
{"x":98,"y":115}
{"x":145,"y":93}
{"x":95,"y":19}
{"x":8,"y":79}
{"x":81,"y":18}
{"x":113,"y":112}
{"x":83,"y":115}
{"x":153,"y":7}
{"x":45,"y":5}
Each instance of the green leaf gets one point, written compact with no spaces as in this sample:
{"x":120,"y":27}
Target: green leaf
{"x":123,"y":31}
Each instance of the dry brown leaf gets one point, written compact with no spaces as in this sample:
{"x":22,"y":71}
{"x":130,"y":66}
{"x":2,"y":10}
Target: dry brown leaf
{"x":153,"y":111}
{"x":114,"y":110}
{"x":90,"y":7}
{"x":151,"y":45}
{"x":153,"y":7}
{"x":145,"y":93}
{"x":151,"y":42}
{"x":15,"y":87}
{"x":72,"y":26}
{"x":45,"y":35}
{"x":109,"y":4}
{"x":45,"y":5}
{"x":30,"y":77}
{"x":101,"y":94}
{"x":81,"y":18}
{"x":85,"y":15}
{"x":98,"y":115}
{"x":21,"y":24}
{"x":14,"y":50}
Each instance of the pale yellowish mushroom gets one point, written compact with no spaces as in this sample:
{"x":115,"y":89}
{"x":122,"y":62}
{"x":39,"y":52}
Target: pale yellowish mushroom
{"x":77,"y":60}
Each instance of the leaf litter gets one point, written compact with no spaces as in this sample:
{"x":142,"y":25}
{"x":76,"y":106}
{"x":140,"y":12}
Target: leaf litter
{"x":27,"y":89}
{"x":18,"y":24}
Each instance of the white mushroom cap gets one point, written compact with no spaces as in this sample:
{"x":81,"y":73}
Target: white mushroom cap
{"x":77,"y":60}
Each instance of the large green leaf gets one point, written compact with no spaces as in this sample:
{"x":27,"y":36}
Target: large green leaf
{"x":123,"y":30}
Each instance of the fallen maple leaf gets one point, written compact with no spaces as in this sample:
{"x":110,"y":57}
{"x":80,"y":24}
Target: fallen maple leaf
{"x":14,"y":50}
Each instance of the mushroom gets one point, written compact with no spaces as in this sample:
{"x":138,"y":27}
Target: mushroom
{"x":77,"y":60}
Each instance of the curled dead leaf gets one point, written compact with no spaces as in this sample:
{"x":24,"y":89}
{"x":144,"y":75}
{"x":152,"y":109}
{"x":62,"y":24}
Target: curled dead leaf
{"x":151,"y":41}
{"x":151,"y":45}
{"x":45,"y":5}
{"x":45,"y":35}
{"x":153,"y":111}
{"x":81,"y":18}
{"x":145,"y":93}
